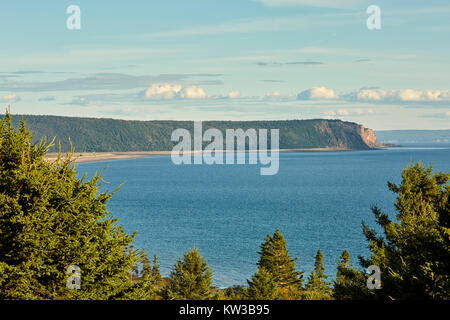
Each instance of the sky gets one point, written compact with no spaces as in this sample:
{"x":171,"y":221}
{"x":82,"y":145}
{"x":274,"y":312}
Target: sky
{"x":229,"y":60}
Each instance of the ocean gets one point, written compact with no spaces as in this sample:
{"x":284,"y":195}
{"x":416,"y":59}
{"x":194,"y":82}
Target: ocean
{"x":318,"y":200}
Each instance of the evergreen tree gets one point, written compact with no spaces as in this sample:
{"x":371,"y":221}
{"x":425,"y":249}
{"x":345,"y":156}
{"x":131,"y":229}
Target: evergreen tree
{"x":262,"y":286}
{"x":413,"y":255}
{"x":350,"y":283}
{"x":190,"y":279}
{"x":50,"y":220}
{"x":318,"y":287}
{"x":155,"y":270}
{"x":146,"y":267}
{"x":275,"y":258}
{"x":266,"y":253}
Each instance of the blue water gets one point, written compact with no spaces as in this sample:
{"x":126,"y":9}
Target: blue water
{"x":317,"y":200}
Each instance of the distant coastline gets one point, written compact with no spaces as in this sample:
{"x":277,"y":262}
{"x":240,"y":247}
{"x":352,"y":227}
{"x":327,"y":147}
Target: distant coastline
{"x":85,"y":157}
{"x":109,"y":135}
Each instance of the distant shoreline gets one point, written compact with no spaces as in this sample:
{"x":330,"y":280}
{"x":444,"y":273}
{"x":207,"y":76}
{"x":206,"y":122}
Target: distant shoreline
{"x":86,"y":157}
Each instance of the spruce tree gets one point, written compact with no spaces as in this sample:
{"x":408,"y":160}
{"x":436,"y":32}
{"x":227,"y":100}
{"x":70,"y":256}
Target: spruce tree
{"x":414,"y":255}
{"x":146,"y":267}
{"x":275,"y":258}
{"x":350,"y":283}
{"x":266,"y":253}
{"x":262,"y":286}
{"x":190,"y":279}
{"x":318,"y":287}
{"x":50,"y":220}
{"x":155,"y":270}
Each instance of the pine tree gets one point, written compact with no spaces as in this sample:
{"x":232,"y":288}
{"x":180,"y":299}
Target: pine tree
{"x":318,"y":287}
{"x":155,"y":270}
{"x":262,"y":286}
{"x":275,"y":258}
{"x":413,"y":255}
{"x":190,"y":279}
{"x":266,"y":253}
{"x":50,"y":220}
{"x":350,"y":283}
{"x":146,"y":267}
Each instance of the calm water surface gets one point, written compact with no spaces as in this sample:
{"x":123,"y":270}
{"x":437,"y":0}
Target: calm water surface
{"x":317,"y":200}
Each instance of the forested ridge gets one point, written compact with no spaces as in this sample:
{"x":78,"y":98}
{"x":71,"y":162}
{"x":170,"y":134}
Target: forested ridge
{"x":110,"y":135}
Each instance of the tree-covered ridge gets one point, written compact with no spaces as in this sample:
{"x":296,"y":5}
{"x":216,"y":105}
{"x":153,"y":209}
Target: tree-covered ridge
{"x":109,"y":135}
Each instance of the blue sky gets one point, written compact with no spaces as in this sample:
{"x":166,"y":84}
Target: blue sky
{"x":238,"y":60}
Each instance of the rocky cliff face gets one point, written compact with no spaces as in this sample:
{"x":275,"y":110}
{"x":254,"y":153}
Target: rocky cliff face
{"x":369,"y":137}
{"x":348,"y":135}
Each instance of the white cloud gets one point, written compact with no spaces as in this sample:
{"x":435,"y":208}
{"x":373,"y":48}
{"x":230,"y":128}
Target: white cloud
{"x":348,"y":112}
{"x":168,"y":91}
{"x":274,"y":95}
{"x":318,"y":93}
{"x":403,"y":95}
{"x":12,"y":97}
{"x":193,"y":93}
{"x":162,"y":91}
{"x":447,"y":113}
{"x":331,"y":114}
{"x":234,"y":94}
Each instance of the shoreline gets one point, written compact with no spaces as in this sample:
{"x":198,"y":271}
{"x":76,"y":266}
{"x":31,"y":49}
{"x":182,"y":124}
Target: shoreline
{"x":86,"y":157}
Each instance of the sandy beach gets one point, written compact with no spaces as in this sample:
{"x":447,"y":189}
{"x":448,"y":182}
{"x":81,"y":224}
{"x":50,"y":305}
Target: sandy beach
{"x":107,"y":156}
{"x":84,"y":157}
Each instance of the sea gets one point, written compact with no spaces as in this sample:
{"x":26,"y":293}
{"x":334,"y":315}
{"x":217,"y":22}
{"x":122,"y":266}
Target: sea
{"x":318,"y":200}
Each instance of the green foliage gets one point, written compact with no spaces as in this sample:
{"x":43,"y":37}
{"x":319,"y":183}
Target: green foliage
{"x":233,"y":293}
{"x":275,"y":258}
{"x":146,"y":266}
{"x":190,"y":279}
{"x":262,"y":286}
{"x":350,"y":283}
{"x":414,"y":255}
{"x":97,"y":135}
{"x":155,"y":270}
{"x":50,"y":220}
{"x":318,"y":288}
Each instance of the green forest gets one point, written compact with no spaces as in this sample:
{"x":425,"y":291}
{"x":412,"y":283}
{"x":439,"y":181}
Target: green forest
{"x":109,"y":135}
{"x":50,"y":220}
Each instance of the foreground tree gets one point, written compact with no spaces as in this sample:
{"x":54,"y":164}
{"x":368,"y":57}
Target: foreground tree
{"x":350,"y":283}
{"x":190,"y":279}
{"x":413,"y":255}
{"x":51,"y":220}
{"x":318,"y":288}
{"x":275,"y":258}
{"x":155,"y":270}
{"x":262,"y":286}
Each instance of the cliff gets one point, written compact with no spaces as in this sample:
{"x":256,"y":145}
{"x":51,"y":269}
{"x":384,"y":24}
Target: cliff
{"x":109,"y":135}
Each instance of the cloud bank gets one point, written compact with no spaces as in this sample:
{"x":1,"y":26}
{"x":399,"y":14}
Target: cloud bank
{"x":403,"y":95}
{"x":317,"y":93}
{"x":168,"y":91}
